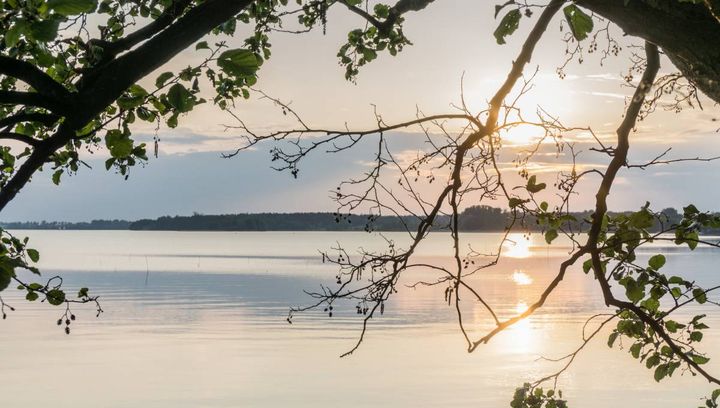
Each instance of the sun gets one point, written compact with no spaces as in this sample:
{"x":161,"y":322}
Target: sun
{"x":522,"y":135}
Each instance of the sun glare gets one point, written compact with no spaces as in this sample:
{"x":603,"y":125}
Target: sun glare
{"x":521,"y":307}
{"x":517,"y":246}
{"x":522,"y":135}
{"x":521,"y":278}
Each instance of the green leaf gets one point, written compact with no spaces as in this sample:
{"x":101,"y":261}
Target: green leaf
{"x":696,"y":336}
{"x":611,"y":339}
{"x":676,"y":293}
{"x":580,"y":23}
{"x":515,"y":202}
{"x":119,"y":144}
{"x":33,"y":254}
{"x":634,"y":291}
{"x":162,"y":78}
{"x":550,"y":236}
{"x":44,"y":31}
{"x":239,"y":62}
{"x":651,"y":304}
{"x":660,"y":372}
{"x":672,"y":326}
{"x":56,"y":176}
{"x":172,"y":121}
{"x":692,"y":239}
{"x":12,"y":36}
{"x":652,"y":361}
{"x":657,"y":262}
{"x":507,"y":26}
{"x":31,"y":296}
{"x":699,"y":295}
{"x":6,"y":275}
{"x":698,"y":359}
{"x":533,"y":187}
{"x":202,"y":45}
{"x":55,"y":297}
{"x":180,"y":98}
{"x":134,"y":97}
{"x":587,"y":265}
{"x":72,"y":7}
{"x":83,"y":292}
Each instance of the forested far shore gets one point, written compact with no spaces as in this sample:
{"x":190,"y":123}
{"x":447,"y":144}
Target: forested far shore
{"x":476,"y":218}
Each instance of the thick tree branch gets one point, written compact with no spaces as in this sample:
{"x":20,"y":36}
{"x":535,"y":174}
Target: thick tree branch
{"x":686,"y":32}
{"x":31,"y":99}
{"x":170,"y":14}
{"x":34,"y":77}
{"x":19,"y":137}
{"x":102,"y":86}
{"x":20,"y":117}
{"x":105,"y":84}
{"x":39,"y":156}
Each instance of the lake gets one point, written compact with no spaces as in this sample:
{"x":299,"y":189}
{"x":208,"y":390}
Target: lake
{"x":197,"y":319}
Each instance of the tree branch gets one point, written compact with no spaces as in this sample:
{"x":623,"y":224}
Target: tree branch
{"x":169,"y":15}
{"x":19,"y":137}
{"x":105,"y":84}
{"x":44,"y":118}
{"x":32,"y":99}
{"x":34,"y":77}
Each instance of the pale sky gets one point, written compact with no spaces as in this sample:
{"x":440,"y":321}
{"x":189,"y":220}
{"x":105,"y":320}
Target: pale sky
{"x":450,"y":38}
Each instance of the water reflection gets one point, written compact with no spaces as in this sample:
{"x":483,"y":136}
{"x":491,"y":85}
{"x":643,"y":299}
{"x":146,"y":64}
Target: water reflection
{"x":521,"y":278}
{"x":517,"y":246}
{"x":213,"y":334}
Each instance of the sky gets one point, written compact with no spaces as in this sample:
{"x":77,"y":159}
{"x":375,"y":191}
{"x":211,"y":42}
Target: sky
{"x":452,"y":40}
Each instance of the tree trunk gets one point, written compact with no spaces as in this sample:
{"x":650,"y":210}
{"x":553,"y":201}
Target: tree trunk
{"x":689,"y":34}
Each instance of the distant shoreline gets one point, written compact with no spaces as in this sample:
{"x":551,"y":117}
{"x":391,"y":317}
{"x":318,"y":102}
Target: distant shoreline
{"x":472,"y":219}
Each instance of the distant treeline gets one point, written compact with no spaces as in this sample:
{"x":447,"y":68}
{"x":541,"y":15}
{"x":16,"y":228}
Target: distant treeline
{"x":59,"y":225}
{"x":476,"y":218}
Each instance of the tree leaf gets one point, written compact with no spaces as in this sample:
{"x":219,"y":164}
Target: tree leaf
{"x":550,"y":236}
{"x":6,"y":275}
{"x":72,"y":7}
{"x":699,"y":295}
{"x":507,"y":26}
{"x":12,"y":36}
{"x":698,"y":359}
{"x":55,"y":297}
{"x":44,"y":31}
{"x":533,"y":187}
{"x":119,"y":144}
{"x":611,"y":339}
{"x":162,"y":78}
{"x":180,"y":98}
{"x":660,"y":372}
{"x":580,"y":23}
{"x":33,"y":254}
{"x":657,"y":262}
{"x":239,"y":62}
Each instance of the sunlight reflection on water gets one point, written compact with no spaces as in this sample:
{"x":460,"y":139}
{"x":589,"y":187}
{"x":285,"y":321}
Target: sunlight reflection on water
{"x":197,"y":320}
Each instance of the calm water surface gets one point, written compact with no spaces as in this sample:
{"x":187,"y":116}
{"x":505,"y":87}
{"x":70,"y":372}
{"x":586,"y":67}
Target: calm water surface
{"x":198,"y":320}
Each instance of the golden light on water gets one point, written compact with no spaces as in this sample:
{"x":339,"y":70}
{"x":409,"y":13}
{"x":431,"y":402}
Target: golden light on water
{"x":523,"y":338}
{"x":521,"y":278}
{"x":517,"y":246}
{"x":521,"y":307}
